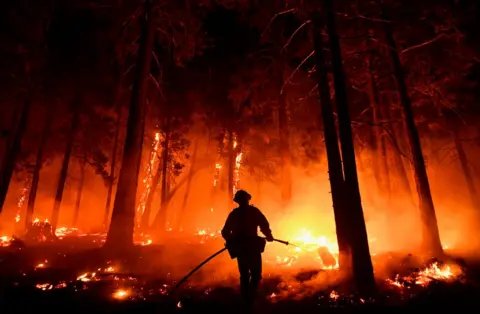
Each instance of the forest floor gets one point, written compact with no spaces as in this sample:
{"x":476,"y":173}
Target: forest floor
{"x":74,"y":277}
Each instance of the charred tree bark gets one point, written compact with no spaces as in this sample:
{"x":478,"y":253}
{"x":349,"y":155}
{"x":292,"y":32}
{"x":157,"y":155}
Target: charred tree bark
{"x":36,"y":172}
{"x":189,"y":184}
{"x":382,"y":174}
{"x":120,"y":233}
{"x":112,"y":167}
{"x":13,"y":152}
{"x":66,"y":161}
{"x":431,"y":235}
{"x":335,"y":171}
{"x":286,"y":187}
{"x":78,"y":201}
{"x":360,"y":252}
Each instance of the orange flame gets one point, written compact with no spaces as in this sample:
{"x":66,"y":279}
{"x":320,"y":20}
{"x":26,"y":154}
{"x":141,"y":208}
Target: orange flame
{"x":147,"y":181}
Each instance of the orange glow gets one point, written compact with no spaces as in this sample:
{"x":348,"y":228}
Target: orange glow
{"x":121,"y":294}
{"x":153,"y":164}
{"x":21,"y":200}
{"x":306,"y":221}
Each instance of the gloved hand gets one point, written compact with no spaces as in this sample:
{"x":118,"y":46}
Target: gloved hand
{"x":269,"y":238}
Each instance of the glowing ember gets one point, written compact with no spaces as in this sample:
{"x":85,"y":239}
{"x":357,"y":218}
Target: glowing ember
{"x":218,"y":167}
{"x":120,"y":294}
{"x":334,"y":295}
{"x":42,"y":265}
{"x":434,"y":272}
{"x":44,"y":286}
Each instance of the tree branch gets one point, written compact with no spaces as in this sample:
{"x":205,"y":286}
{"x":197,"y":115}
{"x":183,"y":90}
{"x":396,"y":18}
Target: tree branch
{"x":294,"y":33}
{"x":392,"y":138}
{"x":273,"y":19}
{"x":428,"y":42}
{"x":296,"y":70}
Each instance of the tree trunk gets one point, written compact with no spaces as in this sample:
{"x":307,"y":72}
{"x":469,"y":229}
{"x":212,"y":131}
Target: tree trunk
{"x":13,"y":152}
{"x":382,"y":174}
{"x":164,"y":190}
{"x":171,"y":194}
{"x":120,"y":233}
{"x":431,"y":235}
{"x":231,"y":167}
{"x":396,"y":148}
{"x":360,"y":252}
{"x":77,"y":102}
{"x":145,"y":220}
{"x":369,"y":194}
{"x":112,"y":167}
{"x":78,"y":201}
{"x":335,"y":171}
{"x":286,"y":183}
{"x":10,"y":136}
{"x":189,"y":184}
{"x":36,"y":172}
{"x":467,"y":173}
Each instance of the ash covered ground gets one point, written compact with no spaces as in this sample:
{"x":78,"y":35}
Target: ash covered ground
{"x":72,"y":273}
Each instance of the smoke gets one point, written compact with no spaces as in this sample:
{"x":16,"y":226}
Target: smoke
{"x":393,"y":221}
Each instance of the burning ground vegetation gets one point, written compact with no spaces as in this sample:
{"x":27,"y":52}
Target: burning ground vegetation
{"x":70,"y":264}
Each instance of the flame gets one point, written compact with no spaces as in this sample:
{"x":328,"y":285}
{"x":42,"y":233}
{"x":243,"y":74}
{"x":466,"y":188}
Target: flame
{"x":21,"y":199}
{"x":434,"y":272}
{"x":147,"y":181}
{"x":218,"y":167}
{"x":238,"y":161}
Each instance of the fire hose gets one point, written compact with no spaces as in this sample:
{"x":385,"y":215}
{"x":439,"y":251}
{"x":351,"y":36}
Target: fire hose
{"x":209,"y":259}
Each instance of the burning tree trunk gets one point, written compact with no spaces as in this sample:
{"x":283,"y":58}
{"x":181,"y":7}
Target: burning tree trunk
{"x":112,"y":167}
{"x":189,"y":184}
{"x":36,"y":172}
{"x":14,"y":150}
{"x":217,"y":177}
{"x":66,"y":161}
{"x":431,"y":235}
{"x":334,"y":160}
{"x":144,"y":222}
{"x":231,"y":166}
{"x":360,"y":252}
{"x":120,"y":233}
{"x":164,"y":190}
{"x":286,"y":187}
{"x":78,"y":201}
{"x":382,"y":174}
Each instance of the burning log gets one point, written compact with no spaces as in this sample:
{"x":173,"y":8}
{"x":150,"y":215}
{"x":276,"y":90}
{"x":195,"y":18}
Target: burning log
{"x":40,"y":231}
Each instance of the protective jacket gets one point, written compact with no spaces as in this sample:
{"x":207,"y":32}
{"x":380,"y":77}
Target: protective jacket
{"x":240,"y":231}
